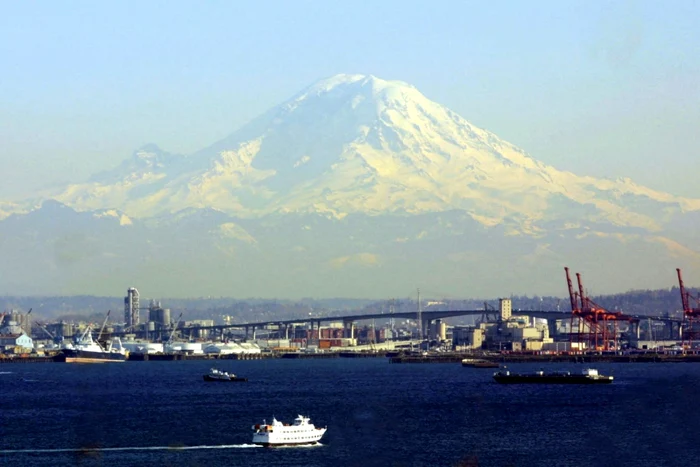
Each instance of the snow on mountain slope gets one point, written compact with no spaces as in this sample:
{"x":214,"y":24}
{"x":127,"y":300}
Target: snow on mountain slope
{"x":360,"y":144}
{"x":7,"y":208}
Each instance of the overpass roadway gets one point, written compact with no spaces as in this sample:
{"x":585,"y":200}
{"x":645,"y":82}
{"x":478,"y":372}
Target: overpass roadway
{"x":426,"y":316}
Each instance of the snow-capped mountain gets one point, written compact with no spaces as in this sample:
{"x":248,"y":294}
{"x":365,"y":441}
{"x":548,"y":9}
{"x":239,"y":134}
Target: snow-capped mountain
{"x":359,"y":144}
{"x":355,"y":175}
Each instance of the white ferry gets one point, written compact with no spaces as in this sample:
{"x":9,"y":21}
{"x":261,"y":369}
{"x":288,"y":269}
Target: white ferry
{"x":301,"y":432}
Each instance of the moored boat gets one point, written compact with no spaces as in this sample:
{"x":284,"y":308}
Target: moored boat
{"x":587,"y":376}
{"x":478,"y":363}
{"x":301,"y":432}
{"x":86,"y":350}
{"x":218,"y":375}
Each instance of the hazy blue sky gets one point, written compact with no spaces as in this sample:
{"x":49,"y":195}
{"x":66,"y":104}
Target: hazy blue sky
{"x":599,"y":88}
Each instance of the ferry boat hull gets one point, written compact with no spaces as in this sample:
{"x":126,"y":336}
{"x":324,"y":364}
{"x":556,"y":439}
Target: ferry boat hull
{"x":281,"y":445}
{"x":272,"y":444}
{"x":86,"y":356}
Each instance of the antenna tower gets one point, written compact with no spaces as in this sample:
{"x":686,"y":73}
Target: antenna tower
{"x":420,"y":319}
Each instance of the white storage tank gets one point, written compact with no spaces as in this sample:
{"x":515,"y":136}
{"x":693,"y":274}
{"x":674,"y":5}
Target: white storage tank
{"x":154,"y":347}
{"x":192,"y":347}
{"x":134,"y":347}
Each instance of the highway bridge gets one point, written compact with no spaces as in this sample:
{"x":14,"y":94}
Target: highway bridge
{"x":426,"y":317}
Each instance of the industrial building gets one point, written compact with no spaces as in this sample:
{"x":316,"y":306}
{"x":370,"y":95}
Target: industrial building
{"x":131,"y":308}
{"x":510,"y":332}
{"x":13,"y":339}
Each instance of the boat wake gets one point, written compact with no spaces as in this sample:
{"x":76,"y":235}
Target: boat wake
{"x":131,"y":448}
{"x":6,"y":372}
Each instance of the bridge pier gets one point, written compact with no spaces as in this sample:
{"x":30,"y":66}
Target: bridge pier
{"x":311,"y":337}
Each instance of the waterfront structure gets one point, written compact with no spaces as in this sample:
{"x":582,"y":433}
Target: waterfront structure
{"x":131,"y":308}
{"x":514,"y":334}
{"x":441,"y":330}
{"x":60,"y":330}
{"x":159,"y":315}
{"x":23,"y":320}
{"x":468,"y":337}
{"x":13,"y":338}
{"x":505,"y":307}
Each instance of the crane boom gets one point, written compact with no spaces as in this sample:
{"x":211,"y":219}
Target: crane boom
{"x":572,"y":295}
{"x":103,"y":325}
{"x":43,"y":328}
{"x":581,"y":293}
{"x":177,"y":321}
{"x":684,"y":294}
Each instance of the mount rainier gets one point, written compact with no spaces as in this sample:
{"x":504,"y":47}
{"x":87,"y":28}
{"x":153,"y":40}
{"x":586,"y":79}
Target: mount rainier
{"x":355,"y":187}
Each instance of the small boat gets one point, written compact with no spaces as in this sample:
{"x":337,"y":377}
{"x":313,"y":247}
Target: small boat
{"x":301,"y":432}
{"x":587,"y":376}
{"x":479,"y":363}
{"x":218,"y":375}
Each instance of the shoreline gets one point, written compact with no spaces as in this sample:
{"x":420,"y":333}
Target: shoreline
{"x":432,"y":358}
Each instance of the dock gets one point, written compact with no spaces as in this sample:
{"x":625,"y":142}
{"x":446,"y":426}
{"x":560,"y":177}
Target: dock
{"x":309,"y":355}
{"x":169,"y":357}
{"x":27,"y":360}
{"x":551,"y":358}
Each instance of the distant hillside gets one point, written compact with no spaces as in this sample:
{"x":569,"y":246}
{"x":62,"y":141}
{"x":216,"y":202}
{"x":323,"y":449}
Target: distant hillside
{"x":661,"y":302}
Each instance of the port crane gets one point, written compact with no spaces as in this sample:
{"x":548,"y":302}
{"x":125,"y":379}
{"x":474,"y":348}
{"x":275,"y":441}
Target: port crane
{"x":595,"y":326}
{"x":490,"y":313}
{"x":691,"y":316}
{"x":54,"y":339}
{"x":48,"y":333}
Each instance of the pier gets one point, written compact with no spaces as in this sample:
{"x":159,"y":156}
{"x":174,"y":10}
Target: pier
{"x":551,"y":358}
{"x":138,"y":357}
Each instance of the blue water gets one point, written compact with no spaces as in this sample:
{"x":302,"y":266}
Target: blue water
{"x":377,"y":413}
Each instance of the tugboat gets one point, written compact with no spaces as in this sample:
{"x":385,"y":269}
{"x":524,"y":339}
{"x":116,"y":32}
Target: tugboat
{"x":587,"y":376}
{"x":218,"y":375}
{"x":301,"y":432}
